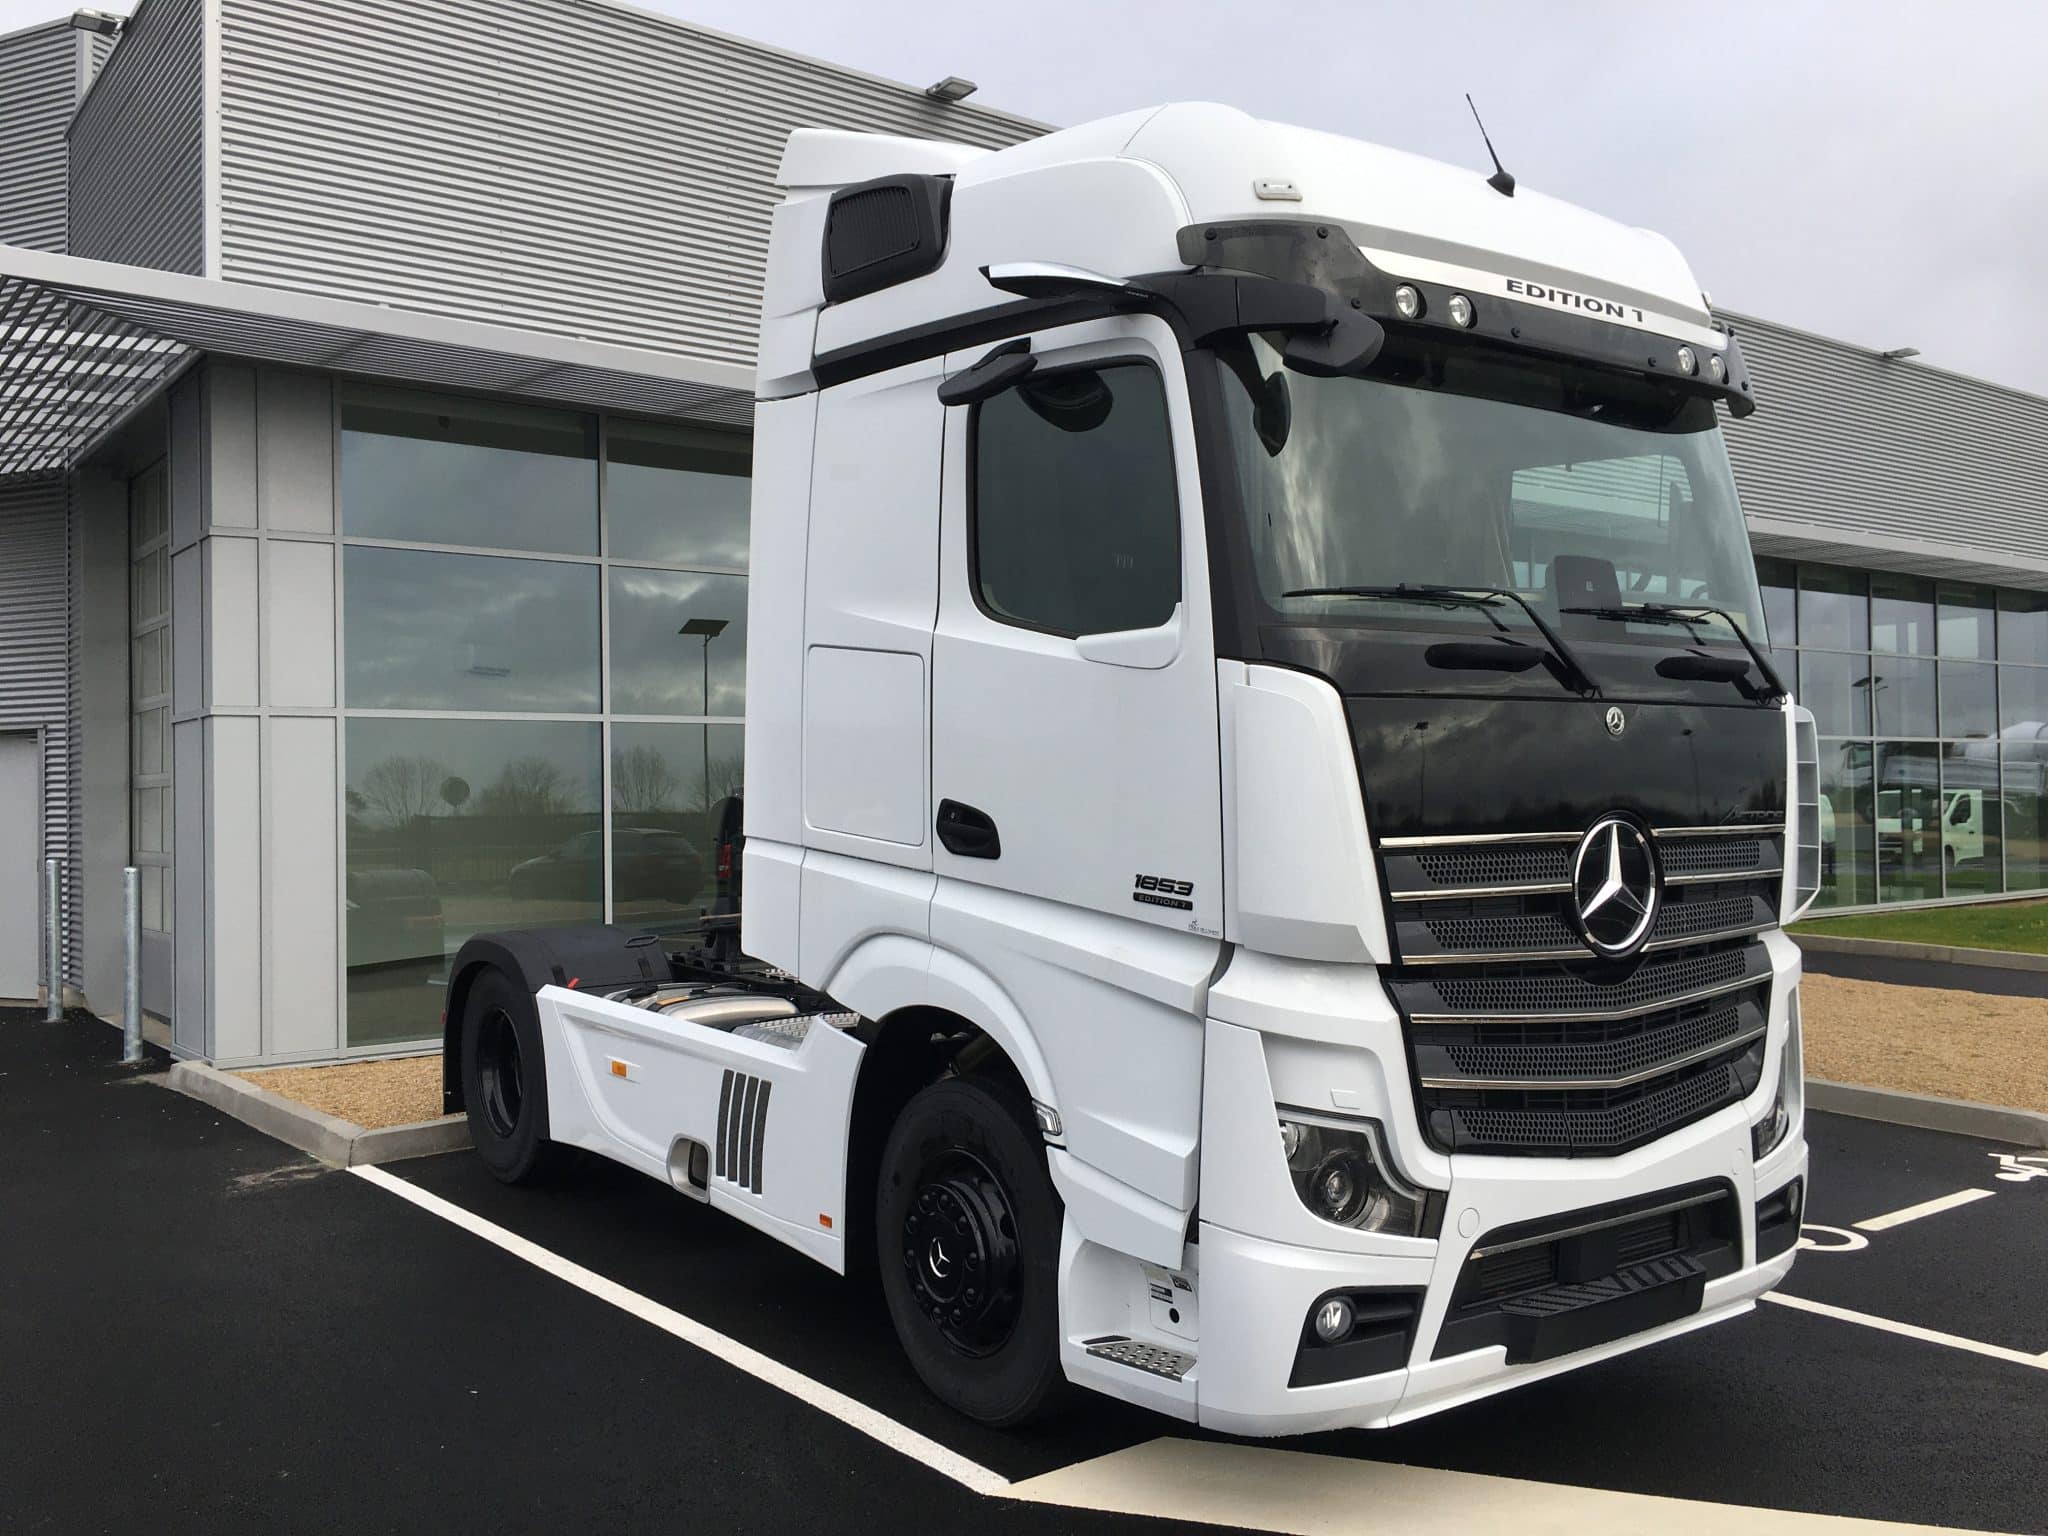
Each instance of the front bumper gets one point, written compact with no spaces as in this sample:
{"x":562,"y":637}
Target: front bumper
{"x":1324,"y":1038}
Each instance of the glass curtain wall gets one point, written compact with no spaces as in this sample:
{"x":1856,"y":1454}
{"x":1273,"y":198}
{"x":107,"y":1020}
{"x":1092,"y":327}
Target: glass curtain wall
{"x":544,"y":642}
{"x":1931,"y":700}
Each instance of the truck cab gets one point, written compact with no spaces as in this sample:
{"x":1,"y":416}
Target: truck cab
{"x":1263,"y":784}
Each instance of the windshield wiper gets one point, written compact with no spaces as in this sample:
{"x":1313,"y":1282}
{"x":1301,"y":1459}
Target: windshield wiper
{"x":1482,"y":598}
{"x":1689,"y":615}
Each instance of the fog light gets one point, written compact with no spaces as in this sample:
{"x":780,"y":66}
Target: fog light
{"x":1717,"y":370}
{"x":1688,"y":361}
{"x":1343,"y":1175}
{"x":1460,"y":311}
{"x":1408,"y":301}
{"x":1333,"y":1319}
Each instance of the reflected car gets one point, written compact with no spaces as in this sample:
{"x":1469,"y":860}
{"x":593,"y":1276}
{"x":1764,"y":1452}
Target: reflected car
{"x":394,"y":918}
{"x":648,"y":863}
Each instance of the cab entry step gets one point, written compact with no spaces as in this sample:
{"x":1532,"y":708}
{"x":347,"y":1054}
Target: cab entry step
{"x":1564,"y":1319}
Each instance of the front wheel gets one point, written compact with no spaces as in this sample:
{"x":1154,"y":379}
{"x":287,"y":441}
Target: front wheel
{"x":504,"y":1079}
{"x":967,"y":1235}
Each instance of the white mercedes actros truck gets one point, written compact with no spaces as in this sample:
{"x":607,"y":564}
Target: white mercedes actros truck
{"x":1268,"y":819}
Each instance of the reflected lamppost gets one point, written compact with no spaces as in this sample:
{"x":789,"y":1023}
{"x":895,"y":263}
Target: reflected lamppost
{"x":707,"y":630}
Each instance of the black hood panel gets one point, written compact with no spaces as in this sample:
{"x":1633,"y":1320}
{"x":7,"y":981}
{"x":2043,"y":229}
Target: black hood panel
{"x":1448,"y":766}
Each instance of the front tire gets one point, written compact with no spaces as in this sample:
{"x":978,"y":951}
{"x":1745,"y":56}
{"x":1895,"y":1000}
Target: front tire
{"x":967,"y":1237}
{"x":504,"y":1079}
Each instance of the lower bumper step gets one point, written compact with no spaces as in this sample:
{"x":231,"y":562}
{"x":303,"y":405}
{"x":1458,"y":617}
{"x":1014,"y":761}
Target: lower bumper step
{"x":1153,"y":1359}
{"x":1567,"y":1318}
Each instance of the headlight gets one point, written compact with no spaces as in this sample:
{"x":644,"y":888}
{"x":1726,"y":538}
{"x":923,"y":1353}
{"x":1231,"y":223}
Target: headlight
{"x":1343,"y":1175}
{"x":1766,"y":1135}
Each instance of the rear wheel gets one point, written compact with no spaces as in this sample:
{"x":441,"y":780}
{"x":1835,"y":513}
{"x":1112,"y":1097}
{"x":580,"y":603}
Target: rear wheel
{"x":504,"y":1079}
{"x":967,"y":1232}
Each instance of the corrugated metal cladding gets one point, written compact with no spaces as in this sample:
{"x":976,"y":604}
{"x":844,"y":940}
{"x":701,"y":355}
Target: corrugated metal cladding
{"x":39,"y":88}
{"x":1851,"y":446}
{"x":35,"y":650}
{"x":138,"y":145}
{"x":564,"y":165}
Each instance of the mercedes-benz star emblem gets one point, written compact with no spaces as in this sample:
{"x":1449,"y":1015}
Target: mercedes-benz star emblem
{"x":1615,"y":887}
{"x":938,"y":1261}
{"x":1617,"y":722}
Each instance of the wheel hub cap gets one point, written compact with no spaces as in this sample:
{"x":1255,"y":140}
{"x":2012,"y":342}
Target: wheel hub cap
{"x":960,"y":1253}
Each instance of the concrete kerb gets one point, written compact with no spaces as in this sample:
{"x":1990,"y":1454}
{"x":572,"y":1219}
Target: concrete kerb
{"x":1946,"y":954}
{"x":336,"y":1142}
{"x":1989,"y":1122}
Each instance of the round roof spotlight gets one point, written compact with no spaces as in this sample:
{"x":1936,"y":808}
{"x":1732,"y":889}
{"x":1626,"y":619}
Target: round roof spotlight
{"x":1460,"y":311}
{"x":1688,"y":361}
{"x":1408,"y":302}
{"x":1716,"y":369}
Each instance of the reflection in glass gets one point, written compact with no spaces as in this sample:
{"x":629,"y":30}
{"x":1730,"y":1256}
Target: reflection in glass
{"x":1968,"y":623}
{"x":1833,"y":612}
{"x":2025,"y":784}
{"x":1969,"y":698}
{"x":456,"y":827}
{"x":473,"y":632}
{"x":1848,"y":857}
{"x":675,"y":822}
{"x":1909,"y":819}
{"x":1972,"y":818}
{"x":1901,"y":614}
{"x":1778,"y":579}
{"x":2022,"y":700}
{"x":1837,"y":689}
{"x":1902,"y":689}
{"x":677,"y":495}
{"x":439,"y":469}
{"x":2023,"y":626}
{"x":677,"y":635}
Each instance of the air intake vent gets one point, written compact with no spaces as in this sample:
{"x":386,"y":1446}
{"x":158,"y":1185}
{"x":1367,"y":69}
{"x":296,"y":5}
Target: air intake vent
{"x":884,"y":232}
{"x":742,"y":1128}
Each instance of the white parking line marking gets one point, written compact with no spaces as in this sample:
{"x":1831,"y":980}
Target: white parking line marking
{"x":1924,"y":1208}
{"x":849,"y":1411}
{"x":1267,"y":1489}
{"x":1909,"y":1330}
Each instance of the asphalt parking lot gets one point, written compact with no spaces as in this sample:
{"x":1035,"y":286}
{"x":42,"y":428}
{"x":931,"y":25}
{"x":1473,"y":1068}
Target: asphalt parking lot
{"x":201,"y":1330}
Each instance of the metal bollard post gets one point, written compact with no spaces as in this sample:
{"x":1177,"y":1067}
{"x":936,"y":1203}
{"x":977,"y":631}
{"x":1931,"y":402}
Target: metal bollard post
{"x":53,"y":947}
{"x":131,"y":989}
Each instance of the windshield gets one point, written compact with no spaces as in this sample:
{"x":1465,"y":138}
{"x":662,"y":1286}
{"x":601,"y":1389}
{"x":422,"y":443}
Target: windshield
{"x":1480,"y":471}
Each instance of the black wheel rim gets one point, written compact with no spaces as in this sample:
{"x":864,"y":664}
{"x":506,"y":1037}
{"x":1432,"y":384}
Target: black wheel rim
{"x":960,"y":1252}
{"x":498,"y":1073}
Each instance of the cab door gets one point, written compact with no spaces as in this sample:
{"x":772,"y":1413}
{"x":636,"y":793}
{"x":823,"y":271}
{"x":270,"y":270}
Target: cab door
{"x":1074,"y":742}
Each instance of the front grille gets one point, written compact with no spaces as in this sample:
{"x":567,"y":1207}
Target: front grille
{"x":1523,"y":1042}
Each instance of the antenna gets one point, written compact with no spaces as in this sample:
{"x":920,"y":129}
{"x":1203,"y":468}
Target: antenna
{"x":1500,"y":180}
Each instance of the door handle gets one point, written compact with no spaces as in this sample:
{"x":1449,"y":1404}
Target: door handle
{"x":967,"y":832}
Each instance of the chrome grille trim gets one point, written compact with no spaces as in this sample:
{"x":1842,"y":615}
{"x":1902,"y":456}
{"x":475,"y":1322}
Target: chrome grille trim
{"x":1658,"y":1069}
{"x":1761,"y":872}
{"x":1473,"y":839}
{"x":1760,"y":829}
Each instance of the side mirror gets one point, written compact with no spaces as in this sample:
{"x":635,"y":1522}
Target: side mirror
{"x":995,"y":373}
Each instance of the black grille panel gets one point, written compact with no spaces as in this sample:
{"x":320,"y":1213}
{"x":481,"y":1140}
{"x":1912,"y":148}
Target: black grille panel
{"x":1528,"y":990}
{"x":1589,"y":1122}
{"x":1686,"y":856}
{"x":1497,"y":864}
{"x":1537,"y":1051}
{"x":1504,"y":927}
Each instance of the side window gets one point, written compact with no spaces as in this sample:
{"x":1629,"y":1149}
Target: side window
{"x":1076,"y":519}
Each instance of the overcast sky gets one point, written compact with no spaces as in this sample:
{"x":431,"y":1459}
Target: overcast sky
{"x":1869,"y":169}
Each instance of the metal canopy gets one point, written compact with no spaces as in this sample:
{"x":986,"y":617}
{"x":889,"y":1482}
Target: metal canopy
{"x":83,"y":344}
